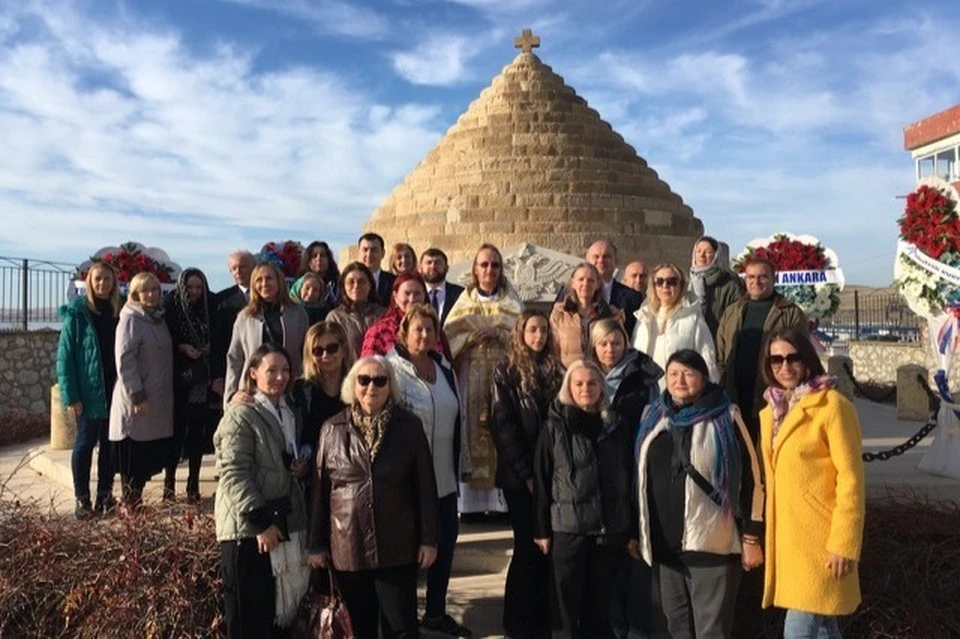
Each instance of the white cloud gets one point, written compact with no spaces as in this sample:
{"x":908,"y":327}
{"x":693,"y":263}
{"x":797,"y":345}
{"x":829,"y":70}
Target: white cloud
{"x":118,"y":131}
{"x":439,"y":60}
{"x":328,"y":16}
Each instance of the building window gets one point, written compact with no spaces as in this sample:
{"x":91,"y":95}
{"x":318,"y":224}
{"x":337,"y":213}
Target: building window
{"x":946,"y":164}
{"x":924,"y":167}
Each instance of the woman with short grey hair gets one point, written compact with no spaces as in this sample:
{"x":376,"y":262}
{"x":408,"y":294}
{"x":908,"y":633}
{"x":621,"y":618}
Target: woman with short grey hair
{"x":374,"y":514}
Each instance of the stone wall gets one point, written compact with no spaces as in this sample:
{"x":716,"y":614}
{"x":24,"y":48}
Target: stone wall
{"x":878,"y":361}
{"x":27,"y":370}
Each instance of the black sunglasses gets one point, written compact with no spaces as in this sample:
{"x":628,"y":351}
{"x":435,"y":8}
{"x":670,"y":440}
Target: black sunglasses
{"x":776,"y":361}
{"x":333,"y":349}
{"x":666,"y":281}
{"x":379,"y":380}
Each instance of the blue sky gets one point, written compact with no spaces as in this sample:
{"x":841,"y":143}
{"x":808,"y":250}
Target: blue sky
{"x":200,"y":126}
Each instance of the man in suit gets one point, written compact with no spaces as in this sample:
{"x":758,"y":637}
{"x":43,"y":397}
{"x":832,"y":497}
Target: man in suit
{"x":603,"y":255}
{"x":228,"y":304}
{"x":440,"y":293}
{"x":372,"y":250}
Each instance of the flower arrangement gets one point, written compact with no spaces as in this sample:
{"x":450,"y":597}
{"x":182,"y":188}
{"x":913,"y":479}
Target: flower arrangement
{"x":285,"y":255}
{"x":807,"y":272}
{"x":128,"y":259}
{"x":927,"y":267}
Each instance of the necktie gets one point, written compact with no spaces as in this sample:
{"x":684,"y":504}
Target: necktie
{"x":434,"y":294}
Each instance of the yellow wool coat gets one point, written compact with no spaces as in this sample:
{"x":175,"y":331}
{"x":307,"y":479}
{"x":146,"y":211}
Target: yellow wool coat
{"x":815,"y":504}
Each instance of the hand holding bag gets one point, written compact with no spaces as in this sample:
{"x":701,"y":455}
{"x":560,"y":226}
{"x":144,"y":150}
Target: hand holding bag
{"x":322,"y":615}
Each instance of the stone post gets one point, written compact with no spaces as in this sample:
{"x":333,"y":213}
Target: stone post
{"x":913,"y":404}
{"x":844,"y":382}
{"x":63,"y":425}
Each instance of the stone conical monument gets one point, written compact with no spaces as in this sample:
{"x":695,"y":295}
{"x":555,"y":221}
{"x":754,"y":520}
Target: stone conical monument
{"x":530,"y":161}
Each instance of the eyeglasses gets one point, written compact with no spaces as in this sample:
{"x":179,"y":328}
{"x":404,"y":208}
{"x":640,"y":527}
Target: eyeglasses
{"x":379,"y":380}
{"x":332,"y":348}
{"x":670,"y":282}
{"x":493,"y":266}
{"x":776,"y":361}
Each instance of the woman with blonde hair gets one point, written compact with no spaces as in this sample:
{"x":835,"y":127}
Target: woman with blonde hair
{"x":86,"y":374}
{"x":270,"y":317}
{"x":316,"y":394}
{"x":523,"y":387}
{"x":670,"y":320}
{"x":141,"y":415}
{"x":583,"y":304}
{"x":402,"y":259}
{"x":478,"y":330}
{"x":584,"y":509}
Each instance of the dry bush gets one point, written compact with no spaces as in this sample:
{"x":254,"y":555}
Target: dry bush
{"x":19,"y":426}
{"x":153,"y":575}
{"x":909,"y":572}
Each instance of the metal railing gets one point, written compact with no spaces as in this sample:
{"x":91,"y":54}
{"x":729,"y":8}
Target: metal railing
{"x":31,"y":292}
{"x":874,"y":317}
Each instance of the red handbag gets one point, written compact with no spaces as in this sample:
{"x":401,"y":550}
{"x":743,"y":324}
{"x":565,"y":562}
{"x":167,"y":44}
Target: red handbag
{"x":323,"y":615}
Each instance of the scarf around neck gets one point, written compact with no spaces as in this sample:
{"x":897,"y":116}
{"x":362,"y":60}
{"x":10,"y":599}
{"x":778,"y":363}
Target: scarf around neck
{"x":782,"y":400}
{"x":372,"y":427}
{"x":712,"y":407}
{"x":191,"y":320}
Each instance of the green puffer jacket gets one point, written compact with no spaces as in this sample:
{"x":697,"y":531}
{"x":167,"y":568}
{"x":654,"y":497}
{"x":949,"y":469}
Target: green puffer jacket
{"x":79,"y":372}
{"x":250,"y":463}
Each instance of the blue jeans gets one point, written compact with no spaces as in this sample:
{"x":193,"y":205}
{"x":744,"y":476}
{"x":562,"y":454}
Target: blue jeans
{"x":438,"y":575}
{"x":807,"y":625}
{"x":91,"y":432}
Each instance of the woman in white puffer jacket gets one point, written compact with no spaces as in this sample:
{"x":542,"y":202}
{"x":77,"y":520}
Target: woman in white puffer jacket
{"x":671,"y":320}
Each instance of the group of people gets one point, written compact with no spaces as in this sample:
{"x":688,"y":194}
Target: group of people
{"x":659,"y":443}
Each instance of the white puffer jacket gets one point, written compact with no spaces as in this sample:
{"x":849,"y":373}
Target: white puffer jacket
{"x":686,"y":328}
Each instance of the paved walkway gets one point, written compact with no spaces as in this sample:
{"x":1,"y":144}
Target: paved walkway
{"x":31,"y":471}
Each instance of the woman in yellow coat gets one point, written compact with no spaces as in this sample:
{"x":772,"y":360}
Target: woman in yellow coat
{"x":811,"y":444}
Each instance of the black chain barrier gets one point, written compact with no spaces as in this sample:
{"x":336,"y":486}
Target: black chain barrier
{"x":878,"y":398}
{"x":925,"y":430}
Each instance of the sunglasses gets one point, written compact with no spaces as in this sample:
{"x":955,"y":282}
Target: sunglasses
{"x":379,"y":380}
{"x":670,"y":282}
{"x":776,"y":361}
{"x":333,"y":349}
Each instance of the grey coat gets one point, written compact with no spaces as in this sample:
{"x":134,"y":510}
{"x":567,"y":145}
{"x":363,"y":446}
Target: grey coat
{"x":144,"y":354}
{"x":250,"y":463}
{"x":248,"y":336}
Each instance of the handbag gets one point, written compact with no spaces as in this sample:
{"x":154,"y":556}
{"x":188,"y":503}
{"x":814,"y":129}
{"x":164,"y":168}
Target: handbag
{"x":192,"y":372}
{"x":323,"y":615}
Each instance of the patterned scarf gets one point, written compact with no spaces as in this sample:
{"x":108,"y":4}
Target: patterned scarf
{"x":782,"y":400}
{"x":191,"y":320}
{"x":372,"y":427}
{"x":713,"y":406}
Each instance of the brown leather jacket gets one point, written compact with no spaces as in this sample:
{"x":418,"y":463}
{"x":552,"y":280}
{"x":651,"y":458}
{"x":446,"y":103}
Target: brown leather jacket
{"x":373,"y":515}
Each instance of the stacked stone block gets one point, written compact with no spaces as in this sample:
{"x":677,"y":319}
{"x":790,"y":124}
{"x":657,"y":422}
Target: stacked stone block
{"x":530,"y":161}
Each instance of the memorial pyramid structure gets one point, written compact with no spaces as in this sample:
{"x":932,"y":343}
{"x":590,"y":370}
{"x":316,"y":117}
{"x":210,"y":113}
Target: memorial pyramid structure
{"x":530,"y":162}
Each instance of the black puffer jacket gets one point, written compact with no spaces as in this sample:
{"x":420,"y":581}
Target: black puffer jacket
{"x":515,"y":426}
{"x":582,"y":477}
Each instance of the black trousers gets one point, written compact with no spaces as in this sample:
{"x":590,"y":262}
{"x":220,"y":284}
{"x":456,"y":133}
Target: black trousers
{"x":384,"y":595}
{"x":584,"y":572}
{"x":698,"y":601}
{"x":527,"y":592}
{"x":248,"y":590}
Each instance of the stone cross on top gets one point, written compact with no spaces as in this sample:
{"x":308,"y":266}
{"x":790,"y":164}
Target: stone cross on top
{"x":527,"y":41}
